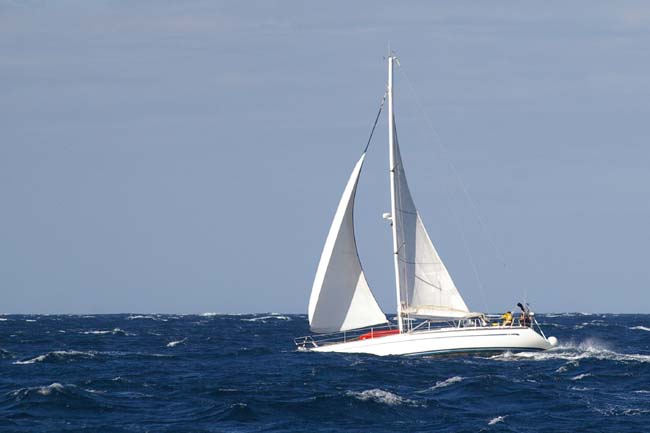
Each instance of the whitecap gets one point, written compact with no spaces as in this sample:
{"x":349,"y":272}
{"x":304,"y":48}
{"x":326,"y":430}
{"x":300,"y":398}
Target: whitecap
{"x":209,"y":314}
{"x":640,"y":328}
{"x":381,"y":396}
{"x":57,"y":354}
{"x":497,"y":419}
{"x":115,"y":331}
{"x":580,"y":388}
{"x":30,"y":320}
{"x":140,"y":316}
{"x":3,"y":319}
{"x":95,"y":391}
{"x":47,"y":390}
{"x":447,"y":382}
{"x":177,"y":342}
{"x":42,"y":390}
{"x":264,"y":318}
{"x":581,"y":376}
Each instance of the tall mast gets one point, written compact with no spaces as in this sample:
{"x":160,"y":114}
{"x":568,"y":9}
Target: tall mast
{"x":393,"y":205}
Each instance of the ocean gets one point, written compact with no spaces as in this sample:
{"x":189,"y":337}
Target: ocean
{"x":241,"y":373}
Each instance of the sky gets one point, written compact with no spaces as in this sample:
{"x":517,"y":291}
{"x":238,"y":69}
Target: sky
{"x":188,"y":157}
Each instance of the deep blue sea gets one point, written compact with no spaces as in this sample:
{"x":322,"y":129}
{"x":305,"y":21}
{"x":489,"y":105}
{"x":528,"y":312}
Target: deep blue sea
{"x":241,"y":373}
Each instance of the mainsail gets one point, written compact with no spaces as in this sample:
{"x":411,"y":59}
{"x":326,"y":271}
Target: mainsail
{"x":340,"y":297}
{"x":425,"y":286}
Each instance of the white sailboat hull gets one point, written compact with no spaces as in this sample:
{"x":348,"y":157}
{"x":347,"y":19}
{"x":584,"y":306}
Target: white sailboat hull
{"x":446,"y":341}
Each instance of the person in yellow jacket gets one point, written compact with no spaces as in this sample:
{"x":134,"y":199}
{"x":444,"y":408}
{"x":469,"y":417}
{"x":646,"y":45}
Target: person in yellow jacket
{"x":507,"y":319}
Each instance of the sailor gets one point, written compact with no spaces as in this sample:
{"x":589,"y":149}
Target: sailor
{"x":507,"y":319}
{"x":524,"y":318}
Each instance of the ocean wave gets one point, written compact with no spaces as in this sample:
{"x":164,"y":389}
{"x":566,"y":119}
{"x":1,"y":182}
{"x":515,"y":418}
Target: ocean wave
{"x":640,"y":328}
{"x":3,"y":319}
{"x":613,"y":410}
{"x":586,"y":350}
{"x":265,"y":318}
{"x":55,"y":387}
{"x":380,"y":396}
{"x":66,"y":355}
{"x":497,"y":419}
{"x":115,"y":331}
{"x":591,"y":323}
{"x":580,"y":388}
{"x":581,"y":376}
{"x":210,"y":314}
{"x":57,"y":396}
{"x":57,"y":355}
{"x":141,"y":317}
{"x":176,"y":343}
{"x":445,"y":383}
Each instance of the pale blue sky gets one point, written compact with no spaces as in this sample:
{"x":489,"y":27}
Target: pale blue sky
{"x":189,"y":156}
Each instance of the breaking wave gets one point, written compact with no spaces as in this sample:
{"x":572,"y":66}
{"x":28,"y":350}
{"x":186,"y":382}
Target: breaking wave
{"x":640,"y":328}
{"x":115,"y":331}
{"x":265,"y":318}
{"x":445,"y":383}
{"x":176,"y":343}
{"x":57,"y":355}
{"x":497,"y":419}
{"x":40,"y":390}
{"x":380,"y":396}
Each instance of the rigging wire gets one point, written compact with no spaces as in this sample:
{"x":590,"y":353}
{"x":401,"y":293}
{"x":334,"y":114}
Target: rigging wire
{"x":374,"y":126}
{"x":477,"y":214}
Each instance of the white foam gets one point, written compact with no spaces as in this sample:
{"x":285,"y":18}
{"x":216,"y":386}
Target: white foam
{"x":30,"y":320}
{"x":580,"y":388}
{"x":3,"y":319}
{"x":210,"y":314}
{"x":640,"y":328}
{"x":447,"y":382}
{"x":42,"y":390}
{"x":264,"y":318}
{"x":581,"y":376}
{"x":381,"y":396}
{"x":95,"y":391}
{"x":47,"y":390}
{"x":115,"y":331}
{"x":140,"y":316}
{"x":177,"y":342}
{"x":588,"y":349}
{"x":55,"y":354}
{"x":497,"y":419}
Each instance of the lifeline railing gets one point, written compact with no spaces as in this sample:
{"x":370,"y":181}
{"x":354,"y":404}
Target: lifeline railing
{"x":485,"y":321}
{"x":310,"y":341}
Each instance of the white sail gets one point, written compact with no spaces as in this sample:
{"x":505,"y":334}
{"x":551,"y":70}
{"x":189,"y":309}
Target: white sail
{"x":425,"y":286}
{"x":340,"y":297}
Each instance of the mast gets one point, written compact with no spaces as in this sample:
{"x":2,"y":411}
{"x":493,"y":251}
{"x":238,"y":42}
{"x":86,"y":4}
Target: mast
{"x":393,"y":207}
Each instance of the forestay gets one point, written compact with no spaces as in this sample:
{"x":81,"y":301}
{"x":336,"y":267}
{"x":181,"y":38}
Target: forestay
{"x":340,"y":297}
{"x":425,"y":286}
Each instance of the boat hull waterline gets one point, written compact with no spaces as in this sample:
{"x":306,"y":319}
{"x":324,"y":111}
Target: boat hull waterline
{"x":446,"y":341}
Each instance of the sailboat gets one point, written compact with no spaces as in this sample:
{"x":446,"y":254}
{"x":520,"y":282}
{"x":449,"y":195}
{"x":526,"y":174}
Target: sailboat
{"x":432,"y":317}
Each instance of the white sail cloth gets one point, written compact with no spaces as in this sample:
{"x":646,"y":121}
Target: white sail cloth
{"x":426,"y":288}
{"x":340,"y":297}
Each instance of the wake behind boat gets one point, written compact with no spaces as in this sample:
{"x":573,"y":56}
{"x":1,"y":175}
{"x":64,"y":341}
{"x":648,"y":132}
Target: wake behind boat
{"x":432,"y":316}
